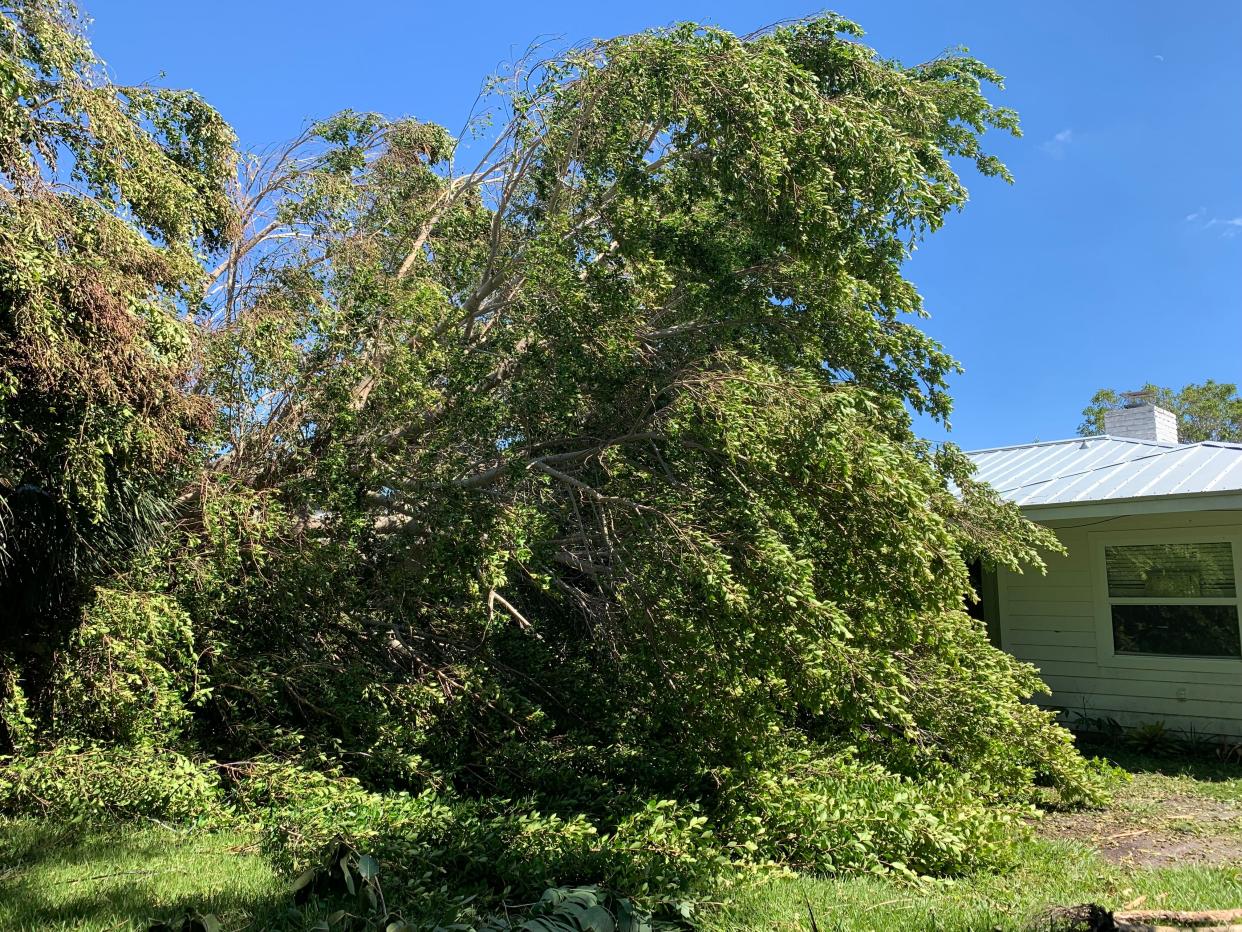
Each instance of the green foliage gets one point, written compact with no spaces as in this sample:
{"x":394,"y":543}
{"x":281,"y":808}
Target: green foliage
{"x":68,"y":782}
{"x":355,"y":880}
{"x":1208,"y":411}
{"x":1152,"y":738}
{"x":445,"y":851}
{"x":19,"y":725}
{"x":127,"y":676}
{"x":558,"y":521}
{"x":832,"y":814}
{"x":109,"y":196}
{"x":579,"y":909}
{"x":61,"y":877}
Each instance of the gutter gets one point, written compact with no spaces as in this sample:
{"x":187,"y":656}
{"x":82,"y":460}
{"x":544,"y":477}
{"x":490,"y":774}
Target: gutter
{"x":1142,"y":505}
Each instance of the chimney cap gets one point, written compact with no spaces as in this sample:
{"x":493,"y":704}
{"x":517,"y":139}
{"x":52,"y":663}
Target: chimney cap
{"x":1136,"y":399}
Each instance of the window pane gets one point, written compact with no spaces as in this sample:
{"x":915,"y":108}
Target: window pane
{"x":1181,"y":630}
{"x":1170,"y":571}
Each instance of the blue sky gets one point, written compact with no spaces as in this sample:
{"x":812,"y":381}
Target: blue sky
{"x":1115,"y":259}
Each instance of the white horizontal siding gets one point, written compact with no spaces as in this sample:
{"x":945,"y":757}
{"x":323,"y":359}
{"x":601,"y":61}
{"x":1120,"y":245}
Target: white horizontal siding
{"x":1021,"y":637}
{"x":1045,"y":622}
{"x":1080,"y":669}
{"x":1050,"y":621}
{"x":1029,"y":589}
{"x":1168,"y":691}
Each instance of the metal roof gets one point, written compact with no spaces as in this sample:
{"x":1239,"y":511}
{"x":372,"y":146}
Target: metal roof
{"x":1104,"y":469}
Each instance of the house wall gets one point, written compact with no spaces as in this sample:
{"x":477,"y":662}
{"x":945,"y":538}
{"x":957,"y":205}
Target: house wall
{"x":1055,"y":622}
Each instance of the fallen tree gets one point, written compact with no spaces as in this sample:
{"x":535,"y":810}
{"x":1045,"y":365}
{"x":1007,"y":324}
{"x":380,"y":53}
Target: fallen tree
{"x":559,"y":518}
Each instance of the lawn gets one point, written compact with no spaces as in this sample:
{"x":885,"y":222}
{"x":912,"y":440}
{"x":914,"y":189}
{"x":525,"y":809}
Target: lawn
{"x":1172,"y":839}
{"x":56,"y":877}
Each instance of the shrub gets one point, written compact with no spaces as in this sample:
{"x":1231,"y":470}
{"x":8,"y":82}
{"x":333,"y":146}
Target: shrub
{"x":832,"y":814}
{"x":127,"y":674}
{"x":437,"y":844}
{"x":69,"y":782}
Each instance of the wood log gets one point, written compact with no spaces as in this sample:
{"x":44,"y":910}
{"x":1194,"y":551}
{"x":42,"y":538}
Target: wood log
{"x":1096,"y":918}
{"x":1174,"y":920}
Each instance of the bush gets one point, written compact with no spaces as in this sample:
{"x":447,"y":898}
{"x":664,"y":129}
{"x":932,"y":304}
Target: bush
{"x":128,"y":674}
{"x":69,"y":782}
{"x":809,"y":809}
{"x":440,"y":846}
{"x":833,"y":814}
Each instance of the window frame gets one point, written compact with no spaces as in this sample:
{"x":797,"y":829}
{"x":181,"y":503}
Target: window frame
{"x":1107,"y":653}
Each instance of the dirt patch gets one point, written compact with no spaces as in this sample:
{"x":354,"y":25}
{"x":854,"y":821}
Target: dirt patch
{"x":1154,"y":831}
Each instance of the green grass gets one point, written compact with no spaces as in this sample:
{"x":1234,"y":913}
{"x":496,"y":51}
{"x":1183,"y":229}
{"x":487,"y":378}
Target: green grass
{"x":1049,"y":874}
{"x":1192,"y":776}
{"x":64,"y":877}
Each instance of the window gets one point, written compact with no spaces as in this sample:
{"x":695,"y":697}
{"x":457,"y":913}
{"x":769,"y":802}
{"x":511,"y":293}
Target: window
{"x":1173,"y":599}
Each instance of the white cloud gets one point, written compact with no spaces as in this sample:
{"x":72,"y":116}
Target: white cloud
{"x":1233,"y":226}
{"x":1230,"y":226}
{"x":1057,"y":145}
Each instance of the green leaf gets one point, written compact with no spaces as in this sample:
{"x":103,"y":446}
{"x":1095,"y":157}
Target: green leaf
{"x":304,"y":879}
{"x":368,"y":867}
{"x":598,"y":919}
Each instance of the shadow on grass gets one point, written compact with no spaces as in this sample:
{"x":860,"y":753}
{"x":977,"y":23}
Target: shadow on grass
{"x":1198,"y":764}
{"x":63,"y":877}
{"x":125,"y":908}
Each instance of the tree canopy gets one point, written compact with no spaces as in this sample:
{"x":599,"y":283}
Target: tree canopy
{"x":1208,"y":411}
{"x":108,"y":197}
{"x":569,"y":462}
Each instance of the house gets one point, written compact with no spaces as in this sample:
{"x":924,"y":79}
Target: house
{"x":1139,"y":620}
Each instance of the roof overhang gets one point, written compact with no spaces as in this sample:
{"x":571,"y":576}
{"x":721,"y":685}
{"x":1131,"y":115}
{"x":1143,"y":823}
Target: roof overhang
{"x":1146,"y":505}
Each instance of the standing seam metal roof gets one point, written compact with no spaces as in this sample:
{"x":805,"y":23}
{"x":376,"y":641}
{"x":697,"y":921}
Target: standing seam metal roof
{"x":1092,"y":469}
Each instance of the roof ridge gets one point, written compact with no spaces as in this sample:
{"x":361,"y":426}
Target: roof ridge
{"x":1050,"y":443}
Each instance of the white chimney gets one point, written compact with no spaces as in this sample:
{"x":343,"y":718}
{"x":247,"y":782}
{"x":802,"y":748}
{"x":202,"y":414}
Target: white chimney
{"x":1141,"y":421}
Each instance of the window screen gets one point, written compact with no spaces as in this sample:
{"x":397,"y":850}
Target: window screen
{"x":1170,"y":571}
